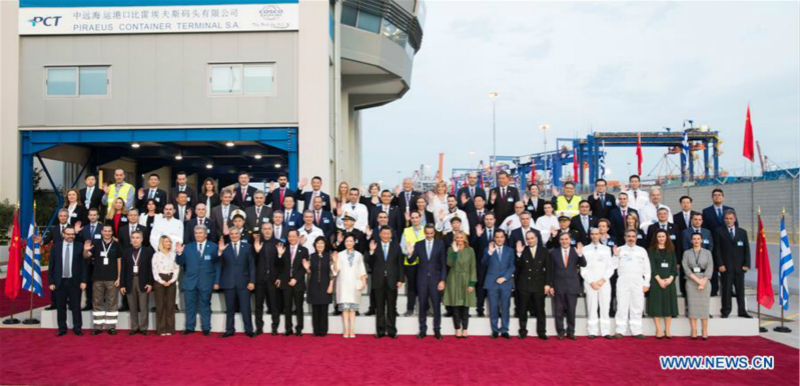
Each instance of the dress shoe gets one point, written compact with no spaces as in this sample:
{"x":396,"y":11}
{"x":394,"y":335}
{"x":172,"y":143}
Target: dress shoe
{"x":78,"y":332}
{"x":421,"y":335}
{"x":694,"y":338}
{"x":523,"y":334}
{"x":112,"y":331}
{"x":143,"y":333}
{"x":50,"y":308}
{"x":358,"y":313}
{"x":608,"y":336}
{"x":133,"y":332}
{"x":259,"y":331}
{"x":337,"y":312}
{"x":393,"y":335}
{"x":505,"y":335}
{"x":206,"y":332}
{"x":87,"y":308}
{"x":409,"y":313}
{"x":560,"y":337}
{"x":447,"y":315}
{"x":379,"y":335}
{"x":640,"y":336}
{"x":369,"y":313}
{"x":274,"y":332}
{"x":61,"y":333}
{"x":96,"y":332}
{"x":705,"y":338}
{"x":746,"y":316}
{"x":481,"y":314}
{"x":298,"y":333}
{"x":724,"y":316}
{"x":287,"y":333}
{"x":250,"y":334}
{"x":176,"y":308}
{"x":495,"y":335}
{"x":592,"y":336}
{"x":543,"y":337}
{"x":618,"y":336}
{"x":226,"y":335}
{"x":124,"y":308}
{"x":188,"y":332}
{"x":438,"y":335}
{"x":572,"y":337}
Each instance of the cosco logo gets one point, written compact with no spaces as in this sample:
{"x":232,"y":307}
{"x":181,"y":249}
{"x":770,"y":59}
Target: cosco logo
{"x":50,"y":21}
{"x":271,"y":12}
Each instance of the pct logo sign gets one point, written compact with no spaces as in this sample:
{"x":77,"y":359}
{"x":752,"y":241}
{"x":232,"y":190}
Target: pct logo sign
{"x":47,"y":21}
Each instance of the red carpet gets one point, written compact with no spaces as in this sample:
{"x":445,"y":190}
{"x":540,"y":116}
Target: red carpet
{"x":23,"y":300}
{"x":37,"y":357}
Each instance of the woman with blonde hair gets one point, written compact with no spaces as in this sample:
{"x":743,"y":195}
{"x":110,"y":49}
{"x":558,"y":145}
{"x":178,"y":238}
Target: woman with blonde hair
{"x":341,"y":198}
{"x":437,"y":201}
{"x":165,"y":274}
{"x":462,"y":276}
{"x":117,"y":216}
{"x":632,"y":221}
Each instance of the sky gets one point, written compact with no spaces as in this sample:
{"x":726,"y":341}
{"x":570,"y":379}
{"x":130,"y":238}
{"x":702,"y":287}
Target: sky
{"x":615,"y":66}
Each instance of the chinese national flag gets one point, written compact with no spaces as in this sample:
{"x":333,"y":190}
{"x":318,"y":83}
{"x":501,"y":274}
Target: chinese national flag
{"x":764,"y":294}
{"x":13,"y":281}
{"x":639,"y":157}
{"x":747,"y":151}
{"x":575,"y":166}
{"x":533,"y":172}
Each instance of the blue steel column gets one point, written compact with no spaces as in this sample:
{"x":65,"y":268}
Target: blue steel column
{"x":705,"y":160}
{"x":716,"y":158}
{"x":293,"y":167}
{"x":25,"y":183}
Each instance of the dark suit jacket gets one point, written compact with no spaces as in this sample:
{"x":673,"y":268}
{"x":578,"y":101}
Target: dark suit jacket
{"x":499,"y":266}
{"x":294,"y":220}
{"x":282,"y":234}
{"x":160,"y":198}
{"x":218,"y":218}
{"x":86,"y":234}
{"x":533,"y":272}
{"x":431,"y":269}
{"x":566,"y":279}
{"x":472,"y":217}
{"x":96,"y":201}
{"x":517,"y":235}
{"x":57,"y":264}
{"x":686,"y":239}
{"x":503,"y":207}
{"x":538,"y":212}
{"x":479,"y":244}
{"x":253,"y":222}
{"x":145,"y":268}
{"x":710,"y":219}
{"x":192,"y":196}
{"x":267,"y":262}
{"x":653,"y":228}
{"x":188,"y":229}
{"x":362,"y":246}
{"x":680,"y":224}
{"x":734,"y":253}
{"x":400,"y":200}
{"x":552,"y":242}
{"x":238,"y":271}
{"x":274,"y":198}
{"x":309,"y":202}
{"x":576,"y":225}
{"x":80,"y":214}
{"x":125,"y":235}
{"x":244,"y":201}
{"x":470,"y":205}
{"x":53,"y":234}
{"x":397,"y":219}
{"x":326,"y":222}
{"x":617,"y":222}
{"x":387,"y":269}
{"x":601,"y":209}
{"x":293,"y":271}
{"x":200,"y":272}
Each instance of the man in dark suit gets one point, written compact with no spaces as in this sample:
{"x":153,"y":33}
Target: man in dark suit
{"x":279,"y":230}
{"x":499,"y":261}
{"x":519,"y":234}
{"x":201,"y":272}
{"x":564,"y":226}
{"x":237,"y":279}
{"x":601,"y":202}
{"x":267,"y":279}
{"x":127,"y":230}
{"x":323,"y":219}
{"x":316,"y":191}
{"x":291,"y":216}
{"x":712,"y":219}
{"x":532,"y":282}
{"x":191,"y":195}
{"x":534,"y":204}
{"x":53,"y":234}
{"x":92,"y":195}
{"x":200,"y":218}
{"x":683,"y":220}
{"x":221,"y":215}
{"x":396,"y":218}
{"x":91,"y":231}
{"x":67,"y":278}
{"x":293,"y":262}
{"x":733,"y":259}
{"x":565,"y":285}
{"x":583,"y":222}
{"x":617,"y":216}
{"x":502,"y":198}
{"x":279,"y":194}
{"x":258,"y":213}
{"x":386,"y":261}
{"x":480,"y":240}
{"x":407,"y":198}
{"x":151,"y":192}
{"x":136,"y":282}
{"x":476,"y":216}
{"x":466,"y":194}
{"x":431,"y":276}
{"x":244,"y":192}
{"x":663,"y":223}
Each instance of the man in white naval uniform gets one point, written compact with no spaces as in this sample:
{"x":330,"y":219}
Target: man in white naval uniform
{"x":600,"y":265}
{"x":633,"y":268}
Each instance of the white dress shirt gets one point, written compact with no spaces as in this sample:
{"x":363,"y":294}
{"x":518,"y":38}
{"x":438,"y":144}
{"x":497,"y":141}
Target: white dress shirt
{"x":599,"y":264}
{"x":446,"y":227}
{"x":637,"y":200}
{"x":311,"y":236}
{"x":649,"y":215}
{"x":163,"y":227}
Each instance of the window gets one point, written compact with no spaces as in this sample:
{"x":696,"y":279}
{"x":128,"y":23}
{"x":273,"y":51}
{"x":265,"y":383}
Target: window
{"x":90,"y":81}
{"x":394,"y":34}
{"x":369,"y":22}
{"x":242,"y":79}
{"x":349,"y":15}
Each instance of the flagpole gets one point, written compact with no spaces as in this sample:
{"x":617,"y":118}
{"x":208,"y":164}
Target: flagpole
{"x":11,"y":319}
{"x":31,"y":319}
{"x":782,"y":327}
{"x":758,"y":236}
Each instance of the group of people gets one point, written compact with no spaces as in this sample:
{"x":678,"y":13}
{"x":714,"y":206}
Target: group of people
{"x":461,"y":249}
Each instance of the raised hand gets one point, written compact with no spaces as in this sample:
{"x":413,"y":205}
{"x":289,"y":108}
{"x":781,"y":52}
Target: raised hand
{"x":272,"y":186}
{"x":257,"y":244}
{"x":372,"y":246}
{"x":303,"y":183}
{"x":339,"y":238}
{"x":369,"y":233}
{"x":579,"y":249}
{"x":179,"y":247}
{"x":492,"y":197}
{"x":222,"y":245}
{"x":188,"y":214}
{"x":520,"y":247}
{"x":141,"y":193}
{"x":225,"y":229}
{"x":281,"y":249}
{"x":397,"y":190}
{"x":615,"y":250}
{"x":553,"y":231}
{"x":87,"y":246}
{"x":492,"y":247}
{"x":479,"y":230}
{"x":464,"y":199}
{"x":555,"y":191}
{"x":455,"y":247}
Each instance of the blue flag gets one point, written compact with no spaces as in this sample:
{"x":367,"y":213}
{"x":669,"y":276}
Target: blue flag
{"x":787,"y":266}
{"x":32,"y":269}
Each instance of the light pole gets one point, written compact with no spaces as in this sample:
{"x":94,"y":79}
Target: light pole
{"x":544,"y":128}
{"x":494,"y":95}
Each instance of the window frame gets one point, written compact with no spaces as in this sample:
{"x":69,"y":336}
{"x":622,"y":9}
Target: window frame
{"x":77,"y":76}
{"x":210,"y":68}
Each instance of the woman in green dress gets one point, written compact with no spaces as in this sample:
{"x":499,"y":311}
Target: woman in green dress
{"x":663,"y":299}
{"x":459,"y":290}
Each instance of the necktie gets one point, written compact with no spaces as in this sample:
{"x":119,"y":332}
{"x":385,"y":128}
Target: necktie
{"x":719,"y":214}
{"x":733,"y":234}
{"x":62,"y":228}
{"x":293,"y":250}
{"x":236,"y":249}
{"x":92,"y":229}
{"x":225,"y":213}
{"x":565,"y":252}
{"x":490,"y":233}
{"x":318,"y":214}
{"x":664,"y":227}
{"x":635,"y":196}
{"x":624,"y":213}
{"x":503,"y":193}
{"x":200,"y":248}
{"x":686,"y":218}
{"x":287,"y":215}
{"x":67,"y":262}
{"x":471,"y":192}
{"x":428,"y":248}
{"x":385,"y":252}
{"x":480,"y":216}
{"x":282,"y":193}
{"x":500,"y":253}
{"x":585,"y":223}
{"x":244,"y":192}
{"x":258,"y":212}
{"x":602,"y":200}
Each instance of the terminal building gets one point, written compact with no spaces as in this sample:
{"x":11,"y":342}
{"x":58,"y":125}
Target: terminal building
{"x":209,"y":87}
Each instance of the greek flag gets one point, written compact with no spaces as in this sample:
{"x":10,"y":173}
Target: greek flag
{"x":787,"y":266}
{"x":32,"y":270}
{"x":685,"y":151}
{"x":603,"y":161}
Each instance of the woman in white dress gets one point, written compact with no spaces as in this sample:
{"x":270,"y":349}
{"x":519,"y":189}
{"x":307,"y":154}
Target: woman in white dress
{"x":351,"y":279}
{"x":546,"y":223}
{"x":437,"y":202}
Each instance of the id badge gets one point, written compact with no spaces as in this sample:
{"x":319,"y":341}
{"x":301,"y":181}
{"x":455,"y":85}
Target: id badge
{"x":74,"y":215}
{"x":326,"y":221}
{"x":265,"y":219}
{"x":664,"y":265}
{"x":249,"y":199}
{"x":705,"y":241}
{"x":135,"y":269}
{"x":510,"y":199}
{"x":672,"y":237}
{"x":123,"y":219}
{"x":158,"y":199}
{"x":103,"y":253}
{"x":740,"y":244}
{"x":608,"y":203}
{"x":291,"y":223}
{"x":255,"y":229}
{"x":696,"y":270}
{"x":572,"y":242}
{"x":105,"y":261}
{"x":639,"y":237}
{"x":97,"y":237}
{"x":207,"y":257}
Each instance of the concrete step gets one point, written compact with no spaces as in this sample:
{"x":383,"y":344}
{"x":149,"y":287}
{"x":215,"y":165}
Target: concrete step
{"x":732,"y":326}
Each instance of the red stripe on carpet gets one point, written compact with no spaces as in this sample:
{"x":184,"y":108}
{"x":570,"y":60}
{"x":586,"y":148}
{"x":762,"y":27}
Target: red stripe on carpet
{"x":23,"y":300}
{"x":200,"y":360}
